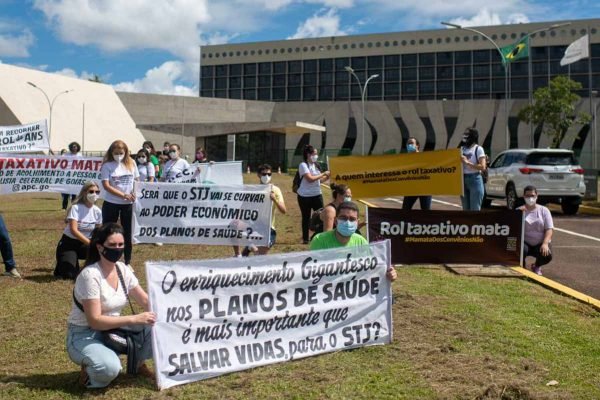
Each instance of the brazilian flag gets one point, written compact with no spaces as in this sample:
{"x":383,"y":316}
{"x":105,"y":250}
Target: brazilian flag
{"x":515,"y":51}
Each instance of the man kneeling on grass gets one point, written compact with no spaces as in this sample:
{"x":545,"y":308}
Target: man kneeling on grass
{"x":344,"y":234}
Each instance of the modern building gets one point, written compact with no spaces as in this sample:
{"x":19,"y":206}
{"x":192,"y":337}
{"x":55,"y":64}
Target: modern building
{"x":430,"y":84}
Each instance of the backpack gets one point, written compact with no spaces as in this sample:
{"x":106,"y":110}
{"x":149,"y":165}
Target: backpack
{"x":296,"y":182}
{"x":315,"y":223}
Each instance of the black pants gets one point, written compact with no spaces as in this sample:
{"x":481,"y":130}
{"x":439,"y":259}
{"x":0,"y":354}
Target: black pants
{"x":65,"y":200}
{"x":307,"y":204}
{"x":111,"y":213}
{"x":68,"y":253}
{"x":534,"y":251}
{"x":409,"y":201}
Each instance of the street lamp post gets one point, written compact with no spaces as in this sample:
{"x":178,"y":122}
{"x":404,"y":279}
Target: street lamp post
{"x":363,"y":91}
{"x":505,"y":71}
{"x":594,"y":130}
{"x":50,"y":106}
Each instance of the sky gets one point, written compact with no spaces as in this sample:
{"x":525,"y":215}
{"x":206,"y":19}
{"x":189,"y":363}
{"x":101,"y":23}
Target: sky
{"x":152,"y":46}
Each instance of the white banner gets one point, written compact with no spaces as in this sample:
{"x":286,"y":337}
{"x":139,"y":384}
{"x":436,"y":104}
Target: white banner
{"x":28,"y":138}
{"x":221,"y":316}
{"x":22,"y":173}
{"x":190,"y":213}
{"x":216,"y":173}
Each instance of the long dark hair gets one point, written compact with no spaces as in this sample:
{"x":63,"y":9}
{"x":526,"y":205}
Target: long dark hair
{"x":99,"y":236}
{"x":308,"y":150}
{"x":149,"y":144}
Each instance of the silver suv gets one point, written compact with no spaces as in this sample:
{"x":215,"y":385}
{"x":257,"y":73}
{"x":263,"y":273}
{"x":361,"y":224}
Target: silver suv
{"x":554,"y":172}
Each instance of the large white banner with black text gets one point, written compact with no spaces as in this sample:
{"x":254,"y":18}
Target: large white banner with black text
{"x":215,"y":173}
{"x":22,"y":173}
{"x":30,"y":138}
{"x":189,"y":213}
{"x":221,"y":316}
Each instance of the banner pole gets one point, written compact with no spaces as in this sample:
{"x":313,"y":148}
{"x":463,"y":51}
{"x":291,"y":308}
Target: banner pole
{"x":367,"y":221}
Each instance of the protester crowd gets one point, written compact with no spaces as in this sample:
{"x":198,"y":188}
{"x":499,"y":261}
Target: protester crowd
{"x":102,"y":236}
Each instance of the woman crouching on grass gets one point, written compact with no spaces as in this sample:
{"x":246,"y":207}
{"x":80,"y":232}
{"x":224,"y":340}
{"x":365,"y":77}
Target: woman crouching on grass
{"x":98,"y":298}
{"x":83,"y":216}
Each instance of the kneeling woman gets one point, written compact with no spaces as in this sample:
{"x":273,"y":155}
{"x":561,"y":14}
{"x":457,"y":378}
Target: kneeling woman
{"x":102,"y":289}
{"x":82,"y":217}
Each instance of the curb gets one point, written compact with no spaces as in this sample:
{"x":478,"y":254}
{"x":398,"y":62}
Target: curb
{"x":549,"y":283}
{"x":583,"y":210}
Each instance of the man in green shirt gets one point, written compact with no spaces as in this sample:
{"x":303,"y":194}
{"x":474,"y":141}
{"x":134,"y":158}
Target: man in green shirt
{"x":344,"y":234}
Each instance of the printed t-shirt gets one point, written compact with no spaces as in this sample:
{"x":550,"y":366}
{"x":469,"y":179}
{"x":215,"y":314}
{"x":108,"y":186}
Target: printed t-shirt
{"x":473,"y":154}
{"x":87,"y":218}
{"x":120,"y":178}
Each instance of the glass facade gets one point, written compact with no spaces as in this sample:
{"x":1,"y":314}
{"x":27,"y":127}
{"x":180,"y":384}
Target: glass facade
{"x":476,"y":74}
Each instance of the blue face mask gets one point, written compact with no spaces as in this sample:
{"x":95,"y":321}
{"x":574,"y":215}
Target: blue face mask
{"x":346,"y":228}
{"x":411,"y":148}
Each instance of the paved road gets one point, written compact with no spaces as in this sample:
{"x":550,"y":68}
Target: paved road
{"x":576,"y":244}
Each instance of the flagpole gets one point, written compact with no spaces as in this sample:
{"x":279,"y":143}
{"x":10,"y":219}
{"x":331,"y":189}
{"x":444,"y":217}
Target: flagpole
{"x":530,"y":87}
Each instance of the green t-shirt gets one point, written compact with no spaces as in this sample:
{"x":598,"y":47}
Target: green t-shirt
{"x":327,"y":240}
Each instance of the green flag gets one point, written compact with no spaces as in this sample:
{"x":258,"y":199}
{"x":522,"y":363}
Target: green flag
{"x":515,"y":51}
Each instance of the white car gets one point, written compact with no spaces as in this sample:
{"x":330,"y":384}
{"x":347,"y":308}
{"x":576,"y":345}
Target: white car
{"x":555,"y":174}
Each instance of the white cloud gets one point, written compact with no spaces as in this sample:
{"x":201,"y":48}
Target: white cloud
{"x":322,"y":23}
{"x":16,"y":45}
{"x":161,"y":80}
{"x":484,"y":18}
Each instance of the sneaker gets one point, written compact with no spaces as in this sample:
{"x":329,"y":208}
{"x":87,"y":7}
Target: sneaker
{"x":537,"y":270}
{"x":13,"y":273}
{"x":246,"y":252}
{"x":158,"y":244}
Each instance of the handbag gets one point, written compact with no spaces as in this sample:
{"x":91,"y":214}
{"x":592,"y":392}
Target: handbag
{"x":127,"y":339}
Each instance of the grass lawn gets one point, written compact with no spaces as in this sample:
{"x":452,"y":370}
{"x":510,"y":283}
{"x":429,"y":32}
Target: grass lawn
{"x":454,"y":337}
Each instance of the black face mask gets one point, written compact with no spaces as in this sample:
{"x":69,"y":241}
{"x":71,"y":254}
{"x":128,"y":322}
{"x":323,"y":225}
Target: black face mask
{"x":112,"y":255}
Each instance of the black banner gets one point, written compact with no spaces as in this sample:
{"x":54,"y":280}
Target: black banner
{"x":449,"y":237}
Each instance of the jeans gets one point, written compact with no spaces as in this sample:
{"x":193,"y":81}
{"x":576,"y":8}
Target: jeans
{"x":307,"y":204}
{"x":473,"y":186}
{"x":534,"y":251}
{"x":85,"y":347}
{"x":111,"y":213}
{"x":6,"y":247}
{"x":68,"y":253}
{"x":409,"y":201}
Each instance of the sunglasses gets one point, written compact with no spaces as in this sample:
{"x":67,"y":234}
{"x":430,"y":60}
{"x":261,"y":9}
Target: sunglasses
{"x":94,"y":191}
{"x":266,"y":173}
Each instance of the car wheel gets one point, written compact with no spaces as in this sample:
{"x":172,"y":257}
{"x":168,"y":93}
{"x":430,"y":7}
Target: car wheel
{"x":486,"y":203}
{"x":569,"y":208}
{"x":511,"y":197}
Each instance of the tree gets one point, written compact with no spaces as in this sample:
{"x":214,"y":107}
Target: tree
{"x":554,"y":107}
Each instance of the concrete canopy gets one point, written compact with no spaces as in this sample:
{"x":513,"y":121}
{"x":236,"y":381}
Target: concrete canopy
{"x":106,"y":118}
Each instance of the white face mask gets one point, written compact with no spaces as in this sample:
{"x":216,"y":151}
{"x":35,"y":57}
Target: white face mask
{"x":92,"y":197}
{"x":119,"y":157}
{"x":173,"y":155}
{"x":142,"y":160}
{"x":314,"y":158}
{"x":264,"y":179}
{"x":530,"y":201}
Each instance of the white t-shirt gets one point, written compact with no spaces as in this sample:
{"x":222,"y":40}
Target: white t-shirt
{"x":87,"y":218}
{"x":473,"y":154}
{"x":173,"y":168}
{"x":120,"y":178}
{"x":309,"y":189}
{"x":91,"y":284}
{"x":146,"y":171}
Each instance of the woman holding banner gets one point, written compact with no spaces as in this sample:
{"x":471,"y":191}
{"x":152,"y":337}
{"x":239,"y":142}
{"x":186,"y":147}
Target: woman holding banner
{"x":175,"y":166}
{"x":101,"y":290}
{"x":74,"y":151}
{"x":83,"y":216}
{"x":413,"y":146}
{"x":539,"y":227}
{"x":473,"y":159}
{"x":118,"y":173}
{"x":309,"y":192}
